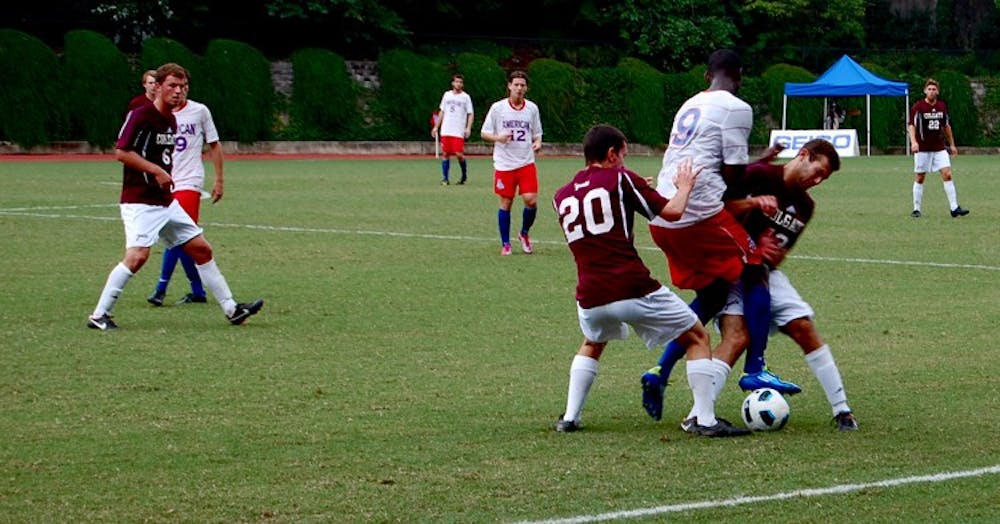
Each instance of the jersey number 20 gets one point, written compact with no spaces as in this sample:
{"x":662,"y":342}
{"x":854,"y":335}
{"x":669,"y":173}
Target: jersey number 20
{"x":570,"y":211}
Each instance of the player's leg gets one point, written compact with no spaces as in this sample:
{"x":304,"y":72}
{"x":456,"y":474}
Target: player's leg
{"x":445,"y":168}
{"x":528,"y":185}
{"x":920,"y":166}
{"x":949,"y":187}
{"x":820,"y":360}
{"x":582,"y":374}
{"x":701,"y":379}
{"x":460,"y":154}
{"x":505,"y":189}
{"x":170,"y":257}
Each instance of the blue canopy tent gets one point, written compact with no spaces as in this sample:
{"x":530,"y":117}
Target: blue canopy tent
{"x":847,"y":78}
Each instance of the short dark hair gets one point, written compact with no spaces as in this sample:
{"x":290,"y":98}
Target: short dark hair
{"x":599,"y":139}
{"x":517,"y":73}
{"x":171,"y":69}
{"x":458,"y":76}
{"x":819,"y":146}
{"x":725,"y":61}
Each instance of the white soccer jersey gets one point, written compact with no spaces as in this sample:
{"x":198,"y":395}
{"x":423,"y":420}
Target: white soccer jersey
{"x":455,"y":109}
{"x":195,"y":128}
{"x":523,"y":125}
{"x":712,"y":128}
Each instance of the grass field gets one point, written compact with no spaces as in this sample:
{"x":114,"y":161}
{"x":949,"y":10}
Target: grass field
{"x":402,"y":371}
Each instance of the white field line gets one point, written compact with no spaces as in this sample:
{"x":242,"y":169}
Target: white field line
{"x":34,"y":212}
{"x":738,"y":501}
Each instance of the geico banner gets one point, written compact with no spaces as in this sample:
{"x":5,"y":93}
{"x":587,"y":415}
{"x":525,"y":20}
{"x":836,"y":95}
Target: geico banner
{"x":844,"y":140}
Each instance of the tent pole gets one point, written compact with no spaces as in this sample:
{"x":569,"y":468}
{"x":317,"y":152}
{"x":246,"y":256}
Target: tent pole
{"x":906,"y":119}
{"x":868,"y":122}
{"x":784,"y":110}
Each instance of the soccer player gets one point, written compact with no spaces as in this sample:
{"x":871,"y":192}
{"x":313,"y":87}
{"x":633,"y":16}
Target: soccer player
{"x":195,"y":127}
{"x":614,"y":288}
{"x":149,"y":91}
{"x":145,"y":147}
{"x":929,"y":125}
{"x":707,"y":249}
{"x":514,"y":126}
{"x":454,"y":124}
{"x":790,"y":183}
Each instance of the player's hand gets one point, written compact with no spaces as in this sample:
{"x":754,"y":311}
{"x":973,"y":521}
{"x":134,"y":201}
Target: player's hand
{"x":164,"y":180}
{"x":434,"y":132}
{"x":536,"y":146}
{"x":914,"y":147}
{"x":468,"y":133}
{"x":954,"y":151}
{"x":686,"y":175}
{"x":768,"y":204}
{"x":772,"y":152}
{"x":216,"y":192}
{"x":769,"y":248}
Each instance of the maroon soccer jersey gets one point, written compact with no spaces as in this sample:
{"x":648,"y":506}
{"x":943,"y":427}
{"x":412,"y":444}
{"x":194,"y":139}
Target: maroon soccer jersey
{"x":139,"y":101}
{"x":597,"y":211}
{"x":930,"y":121}
{"x":795,"y":206}
{"x":151,"y":134}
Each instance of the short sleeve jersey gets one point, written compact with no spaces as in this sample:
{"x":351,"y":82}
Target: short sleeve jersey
{"x":712,"y":128}
{"x":195,"y":128}
{"x":151,"y":134}
{"x":596,"y":211}
{"x":795,"y":206}
{"x":139,"y":101}
{"x":929,"y":120}
{"x":523,"y":125}
{"x":455,"y":111}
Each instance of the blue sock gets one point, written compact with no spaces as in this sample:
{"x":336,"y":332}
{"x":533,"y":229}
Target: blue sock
{"x":192,"y":273}
{"x":503,"y":219}
{"x":445,"y":166}
{"x":528,"y":219}
{"x":464,"y":168}
{"x":167,"y":269}
{"x":674,"y":352}
{"x":757,"y":311}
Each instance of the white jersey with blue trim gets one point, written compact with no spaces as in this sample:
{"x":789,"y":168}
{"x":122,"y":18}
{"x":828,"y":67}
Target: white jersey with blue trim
{"x":712,"y":128}
{"x":523,"y":125}
{"x":195,"y":128}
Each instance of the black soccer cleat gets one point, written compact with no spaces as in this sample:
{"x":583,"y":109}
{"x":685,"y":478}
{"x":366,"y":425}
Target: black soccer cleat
{"x":915,"y":213}
{"x":156,"y":298}
{"x":102,"y":322}
{"x":191,"y":298}
{"x":722,"y":428}
{"x":959,"y":212}
{"x":567,"y":426}
{"x":245,"y":311}
{"x":845,"y":421}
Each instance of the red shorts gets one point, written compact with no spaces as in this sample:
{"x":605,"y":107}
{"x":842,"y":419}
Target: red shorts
{"x":717,"y":247}
{"x":519,"y":181}
{"x":189,"y":200}
{"x":452,"y":144}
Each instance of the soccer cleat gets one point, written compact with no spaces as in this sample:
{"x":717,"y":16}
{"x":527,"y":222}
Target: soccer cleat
{"x":445,"y":183}
{"x":722,"y":428}
{"x":156,"y":298}
{"x":505,"y":250}
{"x":567,"y":426}
{"x":766,"y":379}
{"x":652,"y":392}
{"x":245,"y":311}
{"x":959,"y":212}
{"x":461,"y":182}
{"x":191,"y":298}
{"x":915,"y":213}
{"x":845,"y":421}
{"x":525,"y":242}
{"x":102,"y":322}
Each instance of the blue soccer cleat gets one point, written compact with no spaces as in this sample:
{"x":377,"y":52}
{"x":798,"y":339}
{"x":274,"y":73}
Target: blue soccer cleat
{"x":652,"y":392}
{"x":766,"y":379}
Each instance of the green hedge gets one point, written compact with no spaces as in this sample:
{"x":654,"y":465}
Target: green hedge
{"x":957,"y":93}
{"x":92,"y":60}
{"x":411,"y":90}
{"x":603,"y":88}
{"x":32,"y":101}
{"x":645,"y":102}
{"x":239,"y":90}
{"x":159,"y":51}
{"x":803,"y":112}
{"x":323,"y":103}
{"x":485,"y":81}
{"x":555,"y":87}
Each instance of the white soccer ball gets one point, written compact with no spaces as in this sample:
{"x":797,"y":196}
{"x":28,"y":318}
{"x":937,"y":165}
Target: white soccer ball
{"x":765,"y":410}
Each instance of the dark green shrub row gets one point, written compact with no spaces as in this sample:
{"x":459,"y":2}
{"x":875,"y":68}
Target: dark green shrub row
{"x":324,"y":102}
{"x":411,"y":90}
{"x":242,"y":95}
{"x":32,"y":100}
{"x":93,"y":63}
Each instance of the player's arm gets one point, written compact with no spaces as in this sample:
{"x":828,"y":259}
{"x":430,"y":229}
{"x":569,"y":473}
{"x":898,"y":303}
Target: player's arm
{"x":951,"y":139}
{"x":135,"y":161}
{"x":741,"y":207}
{"x":468,"y":124}
{"x":683,"y":181}
{"x":215,"y":153}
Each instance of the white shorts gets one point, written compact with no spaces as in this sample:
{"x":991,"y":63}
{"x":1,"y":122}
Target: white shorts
{"x":931,"y":161}
{"x":657,"y":318}
{"x":786,"y":303}
{"x":146,"y":224}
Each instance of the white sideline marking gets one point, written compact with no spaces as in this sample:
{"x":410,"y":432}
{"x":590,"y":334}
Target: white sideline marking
{"x":738,"y":501}
{"x":33,"y":212}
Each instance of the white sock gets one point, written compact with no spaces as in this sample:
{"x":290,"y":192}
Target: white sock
{"x":117,"y":280}
{"x":700,"y":378}
{"x":949,"y":189}
{"x":582,"y":374}
{"x":720,"y":373}
{"x":823,"y":366}
{"x":918,"y":195}
{"x":212,"y":278}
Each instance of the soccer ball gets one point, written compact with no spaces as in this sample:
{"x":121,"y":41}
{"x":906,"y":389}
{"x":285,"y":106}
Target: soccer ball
{"x":765,"y":410}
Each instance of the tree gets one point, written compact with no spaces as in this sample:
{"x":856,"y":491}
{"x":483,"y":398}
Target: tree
{"x":783,"y":28}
